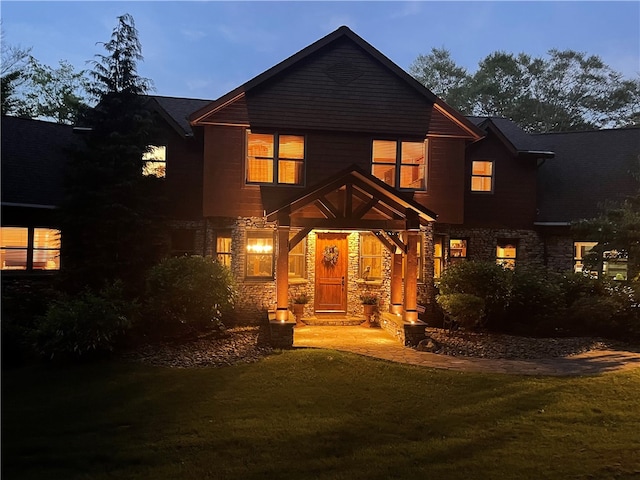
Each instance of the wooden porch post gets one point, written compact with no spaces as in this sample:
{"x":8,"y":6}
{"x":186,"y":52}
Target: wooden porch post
{"x":282,"y":274}
{"x":396,"y":284}
{"x":411,"y":279}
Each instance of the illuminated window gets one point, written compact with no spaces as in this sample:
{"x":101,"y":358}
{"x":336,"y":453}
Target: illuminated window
{"x":614,"y":264}
{"x":155,"y":161}
{"x":273,"y":158}
{"x":223,"y":248}
{"x":580,"y":254}
{"x":400,"y":164}
{"x":457,"y":249}
{"x":506,"y":251}
{"x":438,"y":257}
{"x":481,"y":176}
{"x":259,"y":255}
{"x":23,"y":248}
{"x":370,"y":257}
{"x":297,"y":259}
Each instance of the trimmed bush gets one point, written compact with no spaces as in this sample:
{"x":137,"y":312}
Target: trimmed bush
{"x":485,"y":280}
{"x":87,"y":324}
{"x":536,"y":299}
{"x":464,"y":308}
{"x":186,"y":295}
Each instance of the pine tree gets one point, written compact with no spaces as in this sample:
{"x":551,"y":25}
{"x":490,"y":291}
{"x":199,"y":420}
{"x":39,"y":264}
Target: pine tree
{"x":111,"y":217}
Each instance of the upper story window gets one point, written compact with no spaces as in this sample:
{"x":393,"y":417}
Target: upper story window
{"x":29,"y":248}
{"x":482,"y":176}
{"x":155,"y":161}
{"x":275,"y":159}
{"x":400,"y":164}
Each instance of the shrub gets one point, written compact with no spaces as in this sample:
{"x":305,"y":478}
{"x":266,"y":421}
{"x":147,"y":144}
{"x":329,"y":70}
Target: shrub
{"x":536,"y":297}
{"x":464,"y":308}
{"x":185,"y":295}
{"x":485,"y":280}
{"x":24,"y":302}
{"x":88,"y":323}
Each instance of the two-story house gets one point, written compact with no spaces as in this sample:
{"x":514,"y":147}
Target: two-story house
{"x":335,"y":174}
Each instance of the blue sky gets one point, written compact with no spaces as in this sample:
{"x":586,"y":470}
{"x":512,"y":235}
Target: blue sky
{"x":204,"y":49}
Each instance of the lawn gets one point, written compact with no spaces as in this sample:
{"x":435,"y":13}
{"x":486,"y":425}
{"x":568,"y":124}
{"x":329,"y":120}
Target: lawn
{"x":314,"y":414}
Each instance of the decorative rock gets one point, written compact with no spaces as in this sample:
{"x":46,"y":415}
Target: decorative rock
{"x":428,"y":345}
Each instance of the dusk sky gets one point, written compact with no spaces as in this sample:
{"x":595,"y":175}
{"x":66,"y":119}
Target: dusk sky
{"x":204,"y":49}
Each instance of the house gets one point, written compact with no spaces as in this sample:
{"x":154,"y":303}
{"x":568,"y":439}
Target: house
{"x":336,"y":174}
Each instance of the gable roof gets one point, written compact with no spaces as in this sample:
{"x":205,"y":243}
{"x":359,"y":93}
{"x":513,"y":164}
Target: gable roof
{"x":353,"y":198}
{"x":589,"y":168}
{"x":341,"y":33}
{"x":514,"y":137}
{"x":34,"y":156}
{"x":176,"y":111}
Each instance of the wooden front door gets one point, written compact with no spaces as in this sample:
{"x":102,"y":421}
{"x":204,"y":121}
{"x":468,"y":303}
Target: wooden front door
{"x":332,"y":255}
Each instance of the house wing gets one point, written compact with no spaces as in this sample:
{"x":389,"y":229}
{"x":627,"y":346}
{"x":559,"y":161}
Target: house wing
{"x":340,"y":83}
{"x":589,"y":169}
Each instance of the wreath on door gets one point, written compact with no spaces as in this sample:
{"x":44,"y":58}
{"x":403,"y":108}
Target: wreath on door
{"x":330,"y":255}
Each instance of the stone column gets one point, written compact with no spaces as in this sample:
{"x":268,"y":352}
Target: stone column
{"x":282,"y":274}
{"x":396,"y":283}
{"x":411,"y":278}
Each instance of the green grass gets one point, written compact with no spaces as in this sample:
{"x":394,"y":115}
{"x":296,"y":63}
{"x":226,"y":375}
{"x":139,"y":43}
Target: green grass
{"x":313,"y":414}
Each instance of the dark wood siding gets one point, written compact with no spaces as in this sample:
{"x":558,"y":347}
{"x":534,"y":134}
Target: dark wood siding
{"x":445,"y":180}
{"x":233,"y":114}
{"x":513,"y":201}
{"x":184,"y":175}
{"x":442,"y":125}
{"x":341,"y":88}
{"x":225,"y":193}
{"x":327,"y":153}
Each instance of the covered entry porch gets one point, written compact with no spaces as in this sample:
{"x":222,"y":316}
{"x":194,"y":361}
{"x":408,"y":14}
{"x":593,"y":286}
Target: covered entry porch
{"x":334,"y":216}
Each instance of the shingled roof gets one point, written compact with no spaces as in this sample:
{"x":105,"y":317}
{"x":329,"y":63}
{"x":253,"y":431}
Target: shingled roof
{"x":516,"y":138}
{"x":34,"y":155}
{"x":177,"y":110}
{"x":589,"y":168}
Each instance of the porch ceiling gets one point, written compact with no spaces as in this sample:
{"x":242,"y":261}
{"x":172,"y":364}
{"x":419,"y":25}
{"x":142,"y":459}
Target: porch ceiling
{"x":352,"y":199}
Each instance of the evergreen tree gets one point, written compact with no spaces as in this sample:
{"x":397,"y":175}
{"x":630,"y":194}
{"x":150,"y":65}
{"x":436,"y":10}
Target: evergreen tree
{"x":111,"y":216}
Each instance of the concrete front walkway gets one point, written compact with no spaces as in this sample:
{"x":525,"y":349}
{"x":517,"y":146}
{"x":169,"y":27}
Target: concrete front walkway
{"x":375,"y":342}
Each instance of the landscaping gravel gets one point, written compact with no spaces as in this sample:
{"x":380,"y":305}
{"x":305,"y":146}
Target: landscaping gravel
{"x":246,"y":345}
{"x":490,"y":345}
{"x":239,"y":345}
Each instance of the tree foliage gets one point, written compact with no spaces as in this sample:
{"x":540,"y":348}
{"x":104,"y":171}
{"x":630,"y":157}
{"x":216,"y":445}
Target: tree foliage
{"x":568,"y":90}
{"x":12,"y":64}
{"x":112,"y":214}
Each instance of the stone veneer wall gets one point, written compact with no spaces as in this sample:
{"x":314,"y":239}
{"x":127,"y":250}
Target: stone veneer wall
{"x":259,"y":296}
{"x":559,"y":252}
{"x":482,"y":243}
